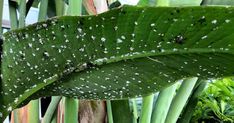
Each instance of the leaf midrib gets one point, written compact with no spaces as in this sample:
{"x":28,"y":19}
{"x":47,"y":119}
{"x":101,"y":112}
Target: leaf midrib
{"x":134,"y":55}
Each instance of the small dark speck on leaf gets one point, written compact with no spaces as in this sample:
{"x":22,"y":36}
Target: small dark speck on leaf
{"x":123,"y":12}
{"x":81,"y":22}
{"x":202,"y":20}
{"x":160,"y":50}
{"x":62,"y":28}
{"x":211,"y":43}
{"x":179,"y":39}
{"x":177,"y":10}
{"x":22,"y":57}
{"x":45,"y":55}
{"x":91,"y":65}
{"x":23,"y":35}
{"x":17,"y":35}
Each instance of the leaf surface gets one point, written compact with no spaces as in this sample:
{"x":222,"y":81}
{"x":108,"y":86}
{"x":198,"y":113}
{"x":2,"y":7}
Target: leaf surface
{"x":123,"y":53}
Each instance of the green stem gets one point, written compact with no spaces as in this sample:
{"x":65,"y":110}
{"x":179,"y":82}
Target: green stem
{"x":13,"y":14}
{"x":185,"y":2}
{"x":51,"y":109}
{"x":71,"y":110}
{"x":61,"y":107}
{"x":33,"y":111}
{"x":59,"y":7}
{"x":22,"y":13}
{"x":162,"y":104}
{"x":134,"y":110}
{"x":162,"y":2}
{"x":109,"y":111}
{"x":75,"y":7}
{"x":146,"y":109}
{"x":180,"y":99}
{"x":190,"y":108}
{"x":55,"y":116}
{"x":143,"y":3}
{"x":121,"y":111}
{"x":43,"y":10}
{"x":1,"y":13}
{"x":16,"y":116}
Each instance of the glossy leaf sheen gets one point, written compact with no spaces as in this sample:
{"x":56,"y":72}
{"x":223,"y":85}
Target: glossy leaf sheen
{"x":123,"y":53}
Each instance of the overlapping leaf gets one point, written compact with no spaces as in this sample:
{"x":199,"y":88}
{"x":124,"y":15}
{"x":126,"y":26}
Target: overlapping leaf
{"x":126,"y":52}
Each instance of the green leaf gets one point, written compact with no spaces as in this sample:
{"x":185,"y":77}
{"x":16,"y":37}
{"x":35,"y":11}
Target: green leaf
{"x":217,"y":2}
{"x":123,"y":53}
{"x":146,"y":3}
{"x":143,"y":2}
{"x":185,"y":2}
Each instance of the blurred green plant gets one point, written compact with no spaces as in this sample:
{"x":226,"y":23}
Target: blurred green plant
{"x":216,"y":103}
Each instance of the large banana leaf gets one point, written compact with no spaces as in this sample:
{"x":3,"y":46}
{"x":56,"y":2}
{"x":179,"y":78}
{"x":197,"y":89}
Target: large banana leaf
{"x":126,"y":52}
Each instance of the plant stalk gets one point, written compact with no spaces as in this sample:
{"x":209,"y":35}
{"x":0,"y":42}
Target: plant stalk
{"x":51,"y":109}
{"x":180,"y":99}
{"x":22,"y":13}
{"x":190,"y":108}
{"x":59,"y":7}
{"x":162,"y":2}
{"x":1,"y":13}
{"x":185,"y":2}
{"x":143,"y":2}
{"x":109,"y":111}
{"x":55,"y":117}
{"x":75,"y":7}
{"x":162,"y":104}
{"x":16,"y":114}
{"x":13,"y":14}
{"x":134,"y":111}
{"x":146,"y":109}
{"x":43,"y":10}
{"x":71,"y":110}
{"x":33,"y":111}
